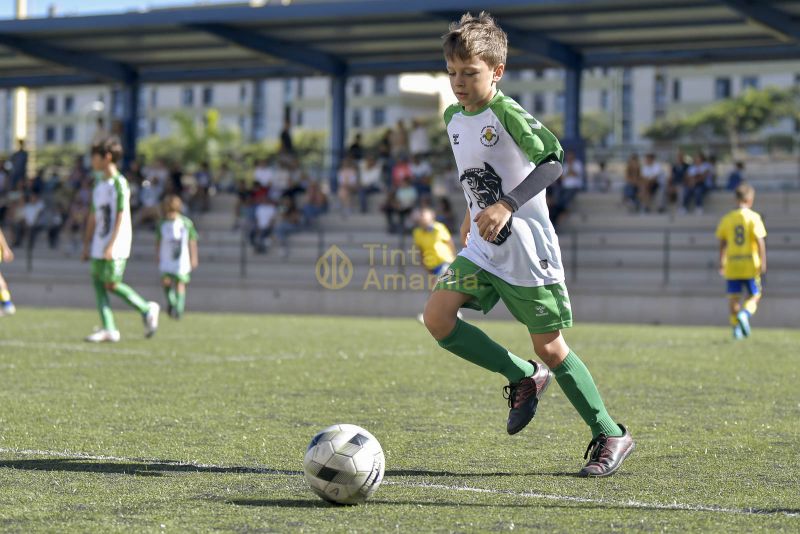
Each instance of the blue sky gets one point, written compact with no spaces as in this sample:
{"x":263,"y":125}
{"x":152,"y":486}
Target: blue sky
{"x":38,"y":8}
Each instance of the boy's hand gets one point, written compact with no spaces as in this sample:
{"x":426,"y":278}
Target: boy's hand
{"x":85,"y":254}
{"x":107,"y":254}
{"x":491,"y":220}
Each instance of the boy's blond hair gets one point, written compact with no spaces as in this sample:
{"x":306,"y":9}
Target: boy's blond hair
{"x":745,"y":193}
{"x":478,"y":37}
{"x":172,"y":204}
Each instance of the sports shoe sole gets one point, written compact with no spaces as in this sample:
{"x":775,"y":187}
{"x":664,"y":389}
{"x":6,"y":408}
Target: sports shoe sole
{"x":536,"y":406}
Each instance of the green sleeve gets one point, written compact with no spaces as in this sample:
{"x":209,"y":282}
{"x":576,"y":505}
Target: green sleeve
{"x":531,"y":136}
{"x":449,"y":112}
{"x":187,"y":222}
{"x":121,"y":187}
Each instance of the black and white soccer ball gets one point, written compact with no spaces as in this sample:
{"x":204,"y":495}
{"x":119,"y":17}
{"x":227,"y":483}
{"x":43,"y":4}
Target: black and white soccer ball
{"x":344,"y":464}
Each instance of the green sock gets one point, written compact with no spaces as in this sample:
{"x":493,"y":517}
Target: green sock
{"x":181,"y":303}
{"x":578,"y":385}
{"x":169,"y":291}
{"x":103,"y":306}
{"x":469,"y":342}
{"x":130,"y":296}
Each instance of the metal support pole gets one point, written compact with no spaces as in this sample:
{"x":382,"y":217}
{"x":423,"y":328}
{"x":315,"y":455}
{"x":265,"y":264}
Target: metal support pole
{"x":130,"y":127}
{"x":338,"y":111}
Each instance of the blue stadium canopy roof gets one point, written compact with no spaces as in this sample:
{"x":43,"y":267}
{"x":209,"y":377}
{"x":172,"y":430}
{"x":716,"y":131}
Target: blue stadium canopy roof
{"x":376,"y":36}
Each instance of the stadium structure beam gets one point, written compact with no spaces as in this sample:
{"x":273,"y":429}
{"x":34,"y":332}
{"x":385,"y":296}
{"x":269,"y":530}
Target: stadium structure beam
{"x":87,"y":62}
{"x":46,"y":80}
{"x":573,"y":82}
{"x":773,"y":20}
{"x":708,"y":55}
{"x":279,"y":48}
{"x":130,"y":121}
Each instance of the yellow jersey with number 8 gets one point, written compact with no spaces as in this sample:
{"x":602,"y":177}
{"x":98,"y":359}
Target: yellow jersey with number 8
{"x":741,"y":229}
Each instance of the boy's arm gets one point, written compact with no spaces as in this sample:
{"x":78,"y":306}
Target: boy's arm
{"x":762,"y":252}
{"x":723,"y":246}
{"x":87,"y":236}
{"x":193,"y":258}
{"x":114,"y":233}
{"x":5,"y":251}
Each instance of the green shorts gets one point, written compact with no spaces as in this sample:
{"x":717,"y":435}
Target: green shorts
{"x":542,"y":309}
{"x":185,"y":278}
{"x":108,"y":271}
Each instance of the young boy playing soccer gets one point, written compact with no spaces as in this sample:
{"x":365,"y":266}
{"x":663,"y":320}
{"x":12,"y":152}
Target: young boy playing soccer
{"x":742,"y":258}
{"x":435,"y":244}
{"x":176,"y":253}
{"x":108,"y":242}
{"x":505,"y":160}
{"x":6,"y":255}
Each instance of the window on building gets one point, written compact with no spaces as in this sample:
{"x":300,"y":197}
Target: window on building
{"x":722,"y":88}
{"x":379,"y":85}
{"x":300,"y":88}
{"x":627,"y":132}
{"x":660,"y":92}
{"x":560,"y":102}
{"x":357,"y":88}
{"x":50,"y":105}
{"x":116,"y":103}
{"x":50,"y":134}
{"x":68,"y":134}
{"x":69,"y":105}
{"x":538,"y":103}
{"x":797,"y":79}
{"x":187,"y":97}
{"x":355,"y":119}
{"x":153,"y":98}
{"x":153,"y":127}
{"x":208,"y":95}
{"x":749,"y":82}
{"x":604,"y":99}
{"x":298,"y":118}
{"x":378,"y":116}
{"x":242,"y":93}
{"x":538,"y":74}
{"x":676,"y":90}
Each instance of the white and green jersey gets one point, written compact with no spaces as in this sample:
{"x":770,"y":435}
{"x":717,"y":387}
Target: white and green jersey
{"x":496,"y":148}
{"x":111,"y":196}
{"x":173,"y":236}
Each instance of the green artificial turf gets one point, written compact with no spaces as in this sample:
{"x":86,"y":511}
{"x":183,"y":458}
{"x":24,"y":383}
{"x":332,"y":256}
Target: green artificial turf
{"x":97,"y":438}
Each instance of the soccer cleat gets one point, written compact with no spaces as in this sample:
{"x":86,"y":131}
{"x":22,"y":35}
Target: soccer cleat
{"x":744,"y":321}
{"x":523,"y":397}
{"x":737,"y":332}
{"x":151,"y":319}
{"x":606,"y":454}
{"x":103,"y":336}
{"x":9,"y":309}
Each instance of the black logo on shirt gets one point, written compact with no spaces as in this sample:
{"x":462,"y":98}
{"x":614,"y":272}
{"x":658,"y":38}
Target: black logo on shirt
{"x":455,"y":139}
{"x":486,"y":188}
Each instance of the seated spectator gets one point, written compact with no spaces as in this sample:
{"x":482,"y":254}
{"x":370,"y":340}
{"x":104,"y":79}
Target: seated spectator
{"x":150,"y":202}
{"x":571,"y":183}
{"x":263,"y":172}
{"x":419,"y":143}
{"x":601,"y":180}
{"x":696,"y":184}
{"x":347,"y":177}
{"x":736,"y":177}
{"x":356,"y":150}
{"x":633,"y":178}
{"x":264,"y":213}
{"x":30,"y":220}
{"x":401,"y":171}
{"x":399,"y":204}
{"x":289,"y":221}
{"x":677,"y":179}
{"x":653,"y":181}
{"x":316,"y":204}
{"x":421,"y":173}
{"x":370,"y":172}
{"x":203,"y":180}
{"x":77,"y":213}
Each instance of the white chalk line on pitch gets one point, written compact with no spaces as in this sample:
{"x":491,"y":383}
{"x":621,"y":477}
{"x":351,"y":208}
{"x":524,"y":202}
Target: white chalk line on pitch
{"x":629,"y":503}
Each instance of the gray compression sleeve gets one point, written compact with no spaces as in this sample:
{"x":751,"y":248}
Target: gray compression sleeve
{"x":536,"y":182}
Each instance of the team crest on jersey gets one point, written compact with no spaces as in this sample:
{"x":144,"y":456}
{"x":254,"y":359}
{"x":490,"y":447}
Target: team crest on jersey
{"x":455,"y":139}
{"x":489,"y":136}
{"x":486,"y":187}
{"x":447,"y":275}
{"x":543,"y":264}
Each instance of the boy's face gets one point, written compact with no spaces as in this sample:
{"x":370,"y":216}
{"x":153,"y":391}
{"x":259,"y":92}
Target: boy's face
{"x":472,"y":81}
{"x":101,"y":163}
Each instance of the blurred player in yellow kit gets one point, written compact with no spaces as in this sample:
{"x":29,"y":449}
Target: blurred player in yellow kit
{"x":435,"y":244}
{"x":742,"y":258}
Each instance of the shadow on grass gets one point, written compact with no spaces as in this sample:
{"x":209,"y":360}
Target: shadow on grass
{"x":151,"y":469}
{"x":319,"y":503}
{"x":427,"y":473}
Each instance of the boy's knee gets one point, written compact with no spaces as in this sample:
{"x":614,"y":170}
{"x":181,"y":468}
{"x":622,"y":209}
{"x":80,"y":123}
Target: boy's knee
{"x":438,"y":323}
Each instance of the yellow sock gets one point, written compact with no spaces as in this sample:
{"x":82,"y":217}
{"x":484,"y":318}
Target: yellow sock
{"x":5,"y":295}
{"x":734,"y":320}
{"x":751,"y":306}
